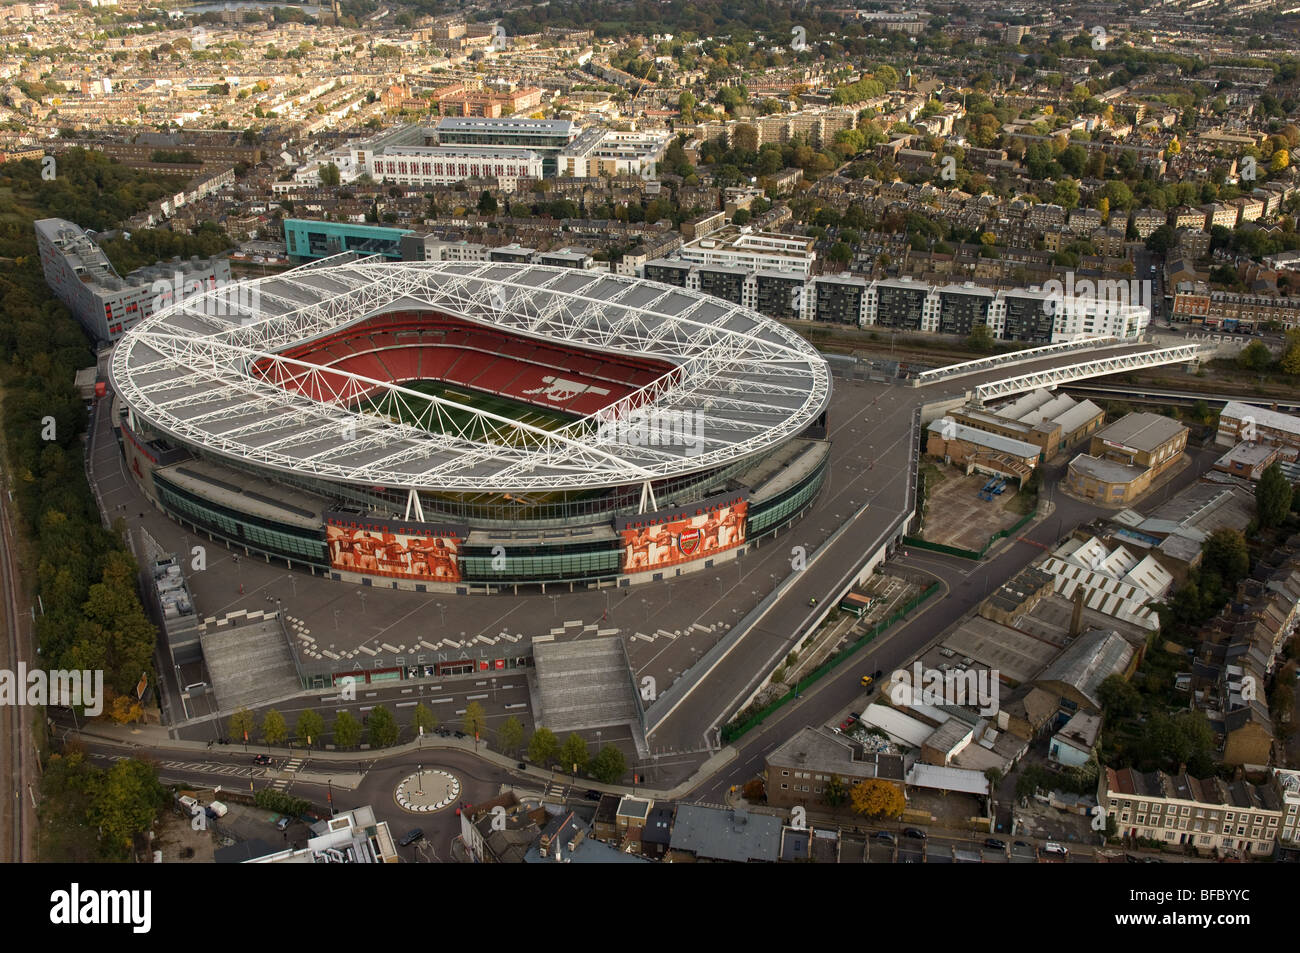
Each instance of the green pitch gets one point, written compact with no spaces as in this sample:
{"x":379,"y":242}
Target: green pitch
{"x":386,"y":406}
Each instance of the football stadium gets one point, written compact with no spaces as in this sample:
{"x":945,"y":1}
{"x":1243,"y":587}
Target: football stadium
{"x":467,"y":426}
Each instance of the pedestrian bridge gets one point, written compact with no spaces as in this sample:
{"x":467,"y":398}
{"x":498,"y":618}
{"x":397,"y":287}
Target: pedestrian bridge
{"x":1064,"y":373}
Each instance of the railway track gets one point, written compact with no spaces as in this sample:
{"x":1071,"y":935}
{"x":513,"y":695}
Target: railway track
{"x":14,"y":719}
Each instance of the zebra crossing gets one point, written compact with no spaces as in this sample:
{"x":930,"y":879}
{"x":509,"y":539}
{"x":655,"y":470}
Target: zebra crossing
{"x":286,"y":774}
{"x":228,"y":770}
{"x":199,"y":767}
{"x":555,"y":791}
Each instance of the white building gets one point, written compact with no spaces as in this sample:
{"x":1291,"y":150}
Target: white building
{"x":446,"y":165}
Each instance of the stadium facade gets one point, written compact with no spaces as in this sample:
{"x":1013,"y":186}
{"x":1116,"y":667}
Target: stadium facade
{"x":472,"y":426}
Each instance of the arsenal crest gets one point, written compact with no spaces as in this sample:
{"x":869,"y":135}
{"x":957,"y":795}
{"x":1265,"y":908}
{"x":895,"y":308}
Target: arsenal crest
{"x":688,"y":541}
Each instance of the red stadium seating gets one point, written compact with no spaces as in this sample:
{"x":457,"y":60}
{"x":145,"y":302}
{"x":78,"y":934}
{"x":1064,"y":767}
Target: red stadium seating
{"x":405,"y":346}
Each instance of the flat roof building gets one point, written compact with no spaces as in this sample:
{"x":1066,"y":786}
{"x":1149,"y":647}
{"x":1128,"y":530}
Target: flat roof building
{"x":106,"y":304}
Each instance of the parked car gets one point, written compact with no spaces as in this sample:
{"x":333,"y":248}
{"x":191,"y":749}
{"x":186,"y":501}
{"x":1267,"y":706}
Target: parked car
{"x":410,"y":837}
{"x":914,"y":832}
{"x":1051,"y":847}
{"x":884,"y":836}
{"x":593,"y":795}
{"x":283,"y":823}
{"x":847,"y":723}
{"x":262,"y":759}
{"x":994,"y":844}
{"x":522,"y":765}
{"x":867,"y":680}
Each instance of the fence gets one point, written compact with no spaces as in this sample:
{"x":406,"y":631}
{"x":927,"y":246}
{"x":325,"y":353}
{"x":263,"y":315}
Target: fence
{"x":1019,"y":524}
{"x":733,"y":730}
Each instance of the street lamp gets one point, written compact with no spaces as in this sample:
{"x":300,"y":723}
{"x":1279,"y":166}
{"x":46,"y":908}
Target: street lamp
{"x":442,"y":612}
{"x":419,"y":777}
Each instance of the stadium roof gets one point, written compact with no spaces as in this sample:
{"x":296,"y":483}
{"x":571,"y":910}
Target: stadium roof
{"x":748,"y":382}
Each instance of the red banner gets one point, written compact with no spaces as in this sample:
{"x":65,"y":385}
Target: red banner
{"x":679,"y":541}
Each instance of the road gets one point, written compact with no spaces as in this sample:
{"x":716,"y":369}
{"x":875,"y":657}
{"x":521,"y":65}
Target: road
{"x":965,"y":585}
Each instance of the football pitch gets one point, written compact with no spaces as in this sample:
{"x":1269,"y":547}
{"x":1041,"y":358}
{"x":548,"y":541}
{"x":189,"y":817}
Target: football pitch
{"x":386,"y":406}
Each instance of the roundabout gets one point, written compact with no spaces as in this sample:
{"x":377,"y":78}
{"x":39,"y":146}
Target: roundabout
{"x":427,"y":790}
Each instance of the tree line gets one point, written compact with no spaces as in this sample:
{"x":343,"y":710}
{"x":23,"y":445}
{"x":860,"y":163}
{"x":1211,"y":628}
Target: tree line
{"x":380,"y":729}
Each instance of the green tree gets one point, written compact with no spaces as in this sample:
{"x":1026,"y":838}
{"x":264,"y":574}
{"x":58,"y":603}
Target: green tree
{"x":1290,"y":362}
{"x":1118,"y":697}
{"x":510,"y":736}
{"x":543,"y":747}
{"x":383,"y":727}
{"x":347,"y":730}
{"x":1255,"y":357}
{"x":329,"y":174}
{"x":309,"y":729}
{"x":422,"y":717}
{"x":1272,"y":497}
{"x":487,"y":203}
{"x":980,"y":339}
{"x":125,"y":801}
{"x":1225,"y":553}
{"x":242,"y":725}
{"x":835,"y":792}
{"x":609,"y":765}
{"x":573,"y":753}
{"x":475,"y":719}
{"x":274,"y":730}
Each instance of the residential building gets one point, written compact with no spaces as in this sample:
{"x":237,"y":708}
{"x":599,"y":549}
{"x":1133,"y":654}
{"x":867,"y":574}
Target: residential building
{"x":1208,"y":814}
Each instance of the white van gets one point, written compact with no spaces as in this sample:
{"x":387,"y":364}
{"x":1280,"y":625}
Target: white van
{"x":188,"y":804}
{"x":219,"y":809}
{"x":1051,"y":847}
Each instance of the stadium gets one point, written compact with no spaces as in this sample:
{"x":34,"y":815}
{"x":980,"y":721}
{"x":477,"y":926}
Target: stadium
{"x":472,"y":426}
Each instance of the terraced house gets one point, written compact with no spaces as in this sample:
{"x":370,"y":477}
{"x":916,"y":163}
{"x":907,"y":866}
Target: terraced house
{"x":1209,"y":814}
